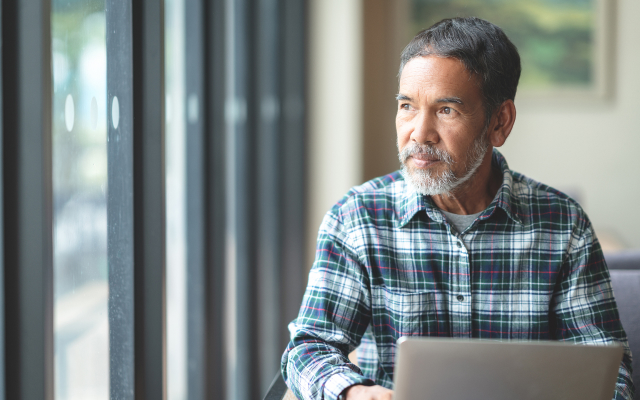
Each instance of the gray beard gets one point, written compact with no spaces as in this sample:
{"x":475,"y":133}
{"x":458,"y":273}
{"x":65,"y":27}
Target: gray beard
{"x":424,"y":182}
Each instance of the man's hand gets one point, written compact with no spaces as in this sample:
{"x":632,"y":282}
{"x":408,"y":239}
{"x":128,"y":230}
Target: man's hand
{"x":361,"y":392}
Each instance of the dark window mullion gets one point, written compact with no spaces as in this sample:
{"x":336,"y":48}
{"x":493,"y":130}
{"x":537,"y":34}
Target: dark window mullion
{"x":195,"y":199}
{"x":149,"y":199}
{"x":26,"y":158}
{"x":239,"y":314}
{"x":120,"y":238}
{"x":2,"y":391}
{"x":293,"y":270}
{"x":268,"y":147}
{"x":214,"y":103}
{"x":136,"y":234}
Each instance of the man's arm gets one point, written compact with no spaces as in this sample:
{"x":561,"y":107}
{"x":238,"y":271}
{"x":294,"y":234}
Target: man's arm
{"x":584,"y":308}
{"x":360,"y":392}
{"x":334,"y":314}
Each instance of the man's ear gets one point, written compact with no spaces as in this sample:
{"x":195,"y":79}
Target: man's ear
{"x":501,"y":123}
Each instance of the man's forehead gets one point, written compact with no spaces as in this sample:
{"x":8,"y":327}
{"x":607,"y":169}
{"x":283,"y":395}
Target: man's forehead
{"x":433,"y":72}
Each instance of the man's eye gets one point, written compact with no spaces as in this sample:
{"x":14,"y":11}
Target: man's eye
{"x":446,"y":110}
{"x":405,"y":106}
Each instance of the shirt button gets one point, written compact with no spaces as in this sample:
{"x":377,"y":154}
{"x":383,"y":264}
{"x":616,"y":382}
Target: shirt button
{"x":459,"y":244}
{"x":460,"y":297}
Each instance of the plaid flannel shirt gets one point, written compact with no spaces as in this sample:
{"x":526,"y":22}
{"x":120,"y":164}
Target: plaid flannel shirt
{"x":388,"y":264}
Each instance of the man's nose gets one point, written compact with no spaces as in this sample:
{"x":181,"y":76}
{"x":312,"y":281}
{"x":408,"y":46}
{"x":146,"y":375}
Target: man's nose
{"x":425,"y":129}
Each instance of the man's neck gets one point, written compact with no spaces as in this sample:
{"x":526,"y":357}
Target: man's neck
{"x":476,"y":194}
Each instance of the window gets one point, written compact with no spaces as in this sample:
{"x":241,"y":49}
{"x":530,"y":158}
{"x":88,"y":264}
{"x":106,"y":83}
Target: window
{"x":177,"y":112}
{"x":2,"y":394}
{"x":79,"y":158}
{"x":154,"y":178}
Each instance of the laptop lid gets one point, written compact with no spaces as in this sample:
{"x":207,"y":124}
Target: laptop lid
{"x":460,"y":369}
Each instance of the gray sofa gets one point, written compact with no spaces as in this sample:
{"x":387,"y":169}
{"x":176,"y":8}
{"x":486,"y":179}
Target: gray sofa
{"x":625,"y":278}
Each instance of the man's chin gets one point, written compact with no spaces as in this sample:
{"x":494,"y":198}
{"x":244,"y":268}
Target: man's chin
{"x":424,"y":183}
{"x":429,"y":173}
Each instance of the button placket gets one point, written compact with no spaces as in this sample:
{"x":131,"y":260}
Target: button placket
{"x":460,"y":295}
{"x":465,"y":297}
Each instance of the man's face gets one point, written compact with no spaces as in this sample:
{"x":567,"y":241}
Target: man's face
{"x":440,"y":123}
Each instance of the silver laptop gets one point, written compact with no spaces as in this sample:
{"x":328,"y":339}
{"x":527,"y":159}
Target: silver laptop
{"x":460,"y":369}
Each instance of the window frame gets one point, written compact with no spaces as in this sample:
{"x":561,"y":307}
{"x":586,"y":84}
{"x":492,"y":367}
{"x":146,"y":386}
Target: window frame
{"x":27,"y":199}
{"x":2,"y":371}
{"x":136,"y":206}
{"x":196,"y":199}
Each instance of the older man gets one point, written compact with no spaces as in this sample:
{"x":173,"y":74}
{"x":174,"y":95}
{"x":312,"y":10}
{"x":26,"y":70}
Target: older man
{"x":455,"y":244}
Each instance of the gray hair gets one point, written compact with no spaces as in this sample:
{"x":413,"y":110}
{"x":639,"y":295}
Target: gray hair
{"x":482,"y":47}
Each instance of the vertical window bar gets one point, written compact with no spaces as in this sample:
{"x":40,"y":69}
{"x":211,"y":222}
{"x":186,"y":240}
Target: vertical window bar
{"x":149,"y":195}
{"x":293,"y":141}
{"x":2,"y":390}
{"x":267,"y":70}
{"x":238,"y":311}
{"x":251,"y":191}
{"x":176,"y":228}
{"x":216,"y":362}
{"x":120,"y":237}
{"x":195,"y":158}
{"x":27,"y":191}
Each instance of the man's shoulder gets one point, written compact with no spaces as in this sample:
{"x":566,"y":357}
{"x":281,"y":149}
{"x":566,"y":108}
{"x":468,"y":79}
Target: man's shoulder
{"x":537,"y":201}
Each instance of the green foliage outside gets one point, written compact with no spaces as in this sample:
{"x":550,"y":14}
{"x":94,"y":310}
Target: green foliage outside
{"x":555,"y":38}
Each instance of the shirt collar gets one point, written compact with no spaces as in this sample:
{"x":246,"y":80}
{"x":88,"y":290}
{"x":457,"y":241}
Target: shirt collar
{"x":506,"y":198}
{"x":412,"y":202}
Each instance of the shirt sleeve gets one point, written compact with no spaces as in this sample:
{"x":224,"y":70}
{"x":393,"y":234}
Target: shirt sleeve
{"x":334,"y":314}
{"x":584,"y":308}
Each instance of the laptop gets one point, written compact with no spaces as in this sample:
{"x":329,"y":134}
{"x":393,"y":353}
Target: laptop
{"x":461,"y":369}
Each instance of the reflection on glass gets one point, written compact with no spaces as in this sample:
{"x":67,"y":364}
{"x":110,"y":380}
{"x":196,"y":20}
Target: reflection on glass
{"x":555,"y":38}
{"x":81,"y":328}
{"x":175,"y":200}
{"x":115,"y":112}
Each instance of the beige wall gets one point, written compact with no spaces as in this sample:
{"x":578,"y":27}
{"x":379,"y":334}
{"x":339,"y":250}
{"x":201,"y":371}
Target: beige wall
{"x":383,"y":41}
{"x":591,"y":147}
{"x":585,"y":147}
{"x":335,"y":98}
{"x":354,"y":50}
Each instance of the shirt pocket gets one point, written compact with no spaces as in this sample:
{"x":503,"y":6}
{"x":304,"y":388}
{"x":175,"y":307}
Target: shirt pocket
{"x":411,"y":313}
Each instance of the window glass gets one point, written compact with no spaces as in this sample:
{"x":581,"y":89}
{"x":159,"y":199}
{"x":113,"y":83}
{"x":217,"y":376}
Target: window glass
{"x":175,"y":163}
{"x":79,"y":128}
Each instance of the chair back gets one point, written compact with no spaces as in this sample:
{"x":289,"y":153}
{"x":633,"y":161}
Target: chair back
{"x":279,"y":390}
{"x":625,"y":280}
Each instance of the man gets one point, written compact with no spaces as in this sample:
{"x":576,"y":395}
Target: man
{"x":456,"y":244}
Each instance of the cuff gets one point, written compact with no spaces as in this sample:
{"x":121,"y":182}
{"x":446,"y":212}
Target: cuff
{"x":336,"y":383}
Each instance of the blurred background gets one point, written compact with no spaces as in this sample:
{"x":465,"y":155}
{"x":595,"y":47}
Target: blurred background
{"x":577,"y":130}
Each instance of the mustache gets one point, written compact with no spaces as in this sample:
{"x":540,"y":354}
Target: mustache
{"x":427,"y":151}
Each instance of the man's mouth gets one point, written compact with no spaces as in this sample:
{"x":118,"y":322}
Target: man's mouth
{"x":424,"y":160}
